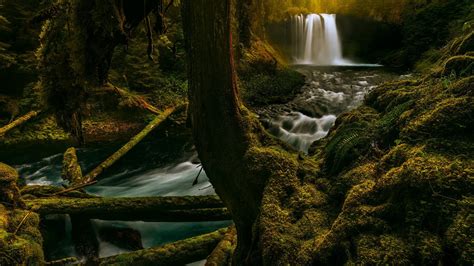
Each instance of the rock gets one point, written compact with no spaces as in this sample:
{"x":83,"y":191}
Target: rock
{"x":126,"y":238}
{"x":7,"y":174}
{"x":9,"y":192}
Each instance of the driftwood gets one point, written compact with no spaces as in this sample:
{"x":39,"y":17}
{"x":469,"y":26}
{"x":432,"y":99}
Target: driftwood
{"x":127,"y":147}
{"x":165,"y":209}
{"x":222,"y":254}
{"x":177,"y":253}
{"x":18,"y":122}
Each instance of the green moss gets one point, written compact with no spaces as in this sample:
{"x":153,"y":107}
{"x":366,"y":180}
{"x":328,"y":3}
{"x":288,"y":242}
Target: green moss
{"x":461,"y":66}
{"x":45,"y":130}
{"x":450,"y":116}
{"x":459,"y":234}
{"x":383,"y":249}
{"x":259,"y":89}
{"x":71,"y":170}
{"x":20,"y":238}
{"x":7,"y":174}
{"x":351,"y":139}
{"x":467,"y":44}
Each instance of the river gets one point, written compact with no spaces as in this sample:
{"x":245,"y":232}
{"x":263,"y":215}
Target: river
{"x":167,"y":166}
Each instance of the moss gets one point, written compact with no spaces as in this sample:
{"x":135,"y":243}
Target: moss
{"x":27,"y":224}
{"x":461,"y":66}
{"x":350,"y":139}
{"x":452,"y":115}
{"x":467,"y":44}
{"x":263,"y":88}
{"x":7,"y":174}
{"x":460,"y":232}
{"x":463,"y":87}
{"x":43,"y":131}
{"x":9,"y":192}
{"x":383,"y":249}
{"x":392,"y":94}
{"x":178,"y":253}
{"x":20,"y":238}
{"x":71,"y":170}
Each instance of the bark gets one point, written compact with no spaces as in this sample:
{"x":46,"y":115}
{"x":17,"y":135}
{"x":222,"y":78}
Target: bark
{"x":164,"y":209}
{"x":18,"y":122}
{"x":177,"y":253}
{"x":222,"y":254}
{"x":222,"y":128}
{"x":127,"y":147}
{"x":245,"y":21}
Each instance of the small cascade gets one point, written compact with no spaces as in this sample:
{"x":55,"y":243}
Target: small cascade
{"x":300,"y":131}
{"x":315,"y":40}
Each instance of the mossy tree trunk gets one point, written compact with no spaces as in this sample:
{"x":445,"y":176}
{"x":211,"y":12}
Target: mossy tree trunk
{"x":230,"y":141}
{"x":217,"y":119}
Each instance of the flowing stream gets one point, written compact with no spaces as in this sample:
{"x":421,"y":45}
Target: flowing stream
{"x":156,"y":167}
{"x":328,"y":92}
{"x":167,"y":166}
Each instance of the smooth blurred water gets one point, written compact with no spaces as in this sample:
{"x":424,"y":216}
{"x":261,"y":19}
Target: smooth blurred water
{"x":328,"y":92}
{"x":165,"y":166}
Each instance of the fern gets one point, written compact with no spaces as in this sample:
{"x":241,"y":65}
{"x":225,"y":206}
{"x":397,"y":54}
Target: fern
{"x":346,"y":147}
{"x":390,"y":119}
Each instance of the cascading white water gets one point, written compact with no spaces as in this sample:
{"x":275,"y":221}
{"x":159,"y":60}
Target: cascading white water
{"x":315,"y":40}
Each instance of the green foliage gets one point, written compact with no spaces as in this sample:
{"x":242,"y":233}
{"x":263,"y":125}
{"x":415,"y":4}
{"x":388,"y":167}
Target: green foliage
{"x":263,"y":88}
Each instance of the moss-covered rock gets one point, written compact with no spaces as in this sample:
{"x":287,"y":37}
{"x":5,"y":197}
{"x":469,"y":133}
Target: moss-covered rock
{"x":452,"y":115}
{"x":20,"y":238}
{"x":9,"y":192}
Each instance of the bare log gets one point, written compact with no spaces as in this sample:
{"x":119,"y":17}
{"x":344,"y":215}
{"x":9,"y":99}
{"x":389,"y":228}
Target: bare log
{"x":18,"y":122}
{"x":222,"y":254}
{"x":177,"y":253}
{"x":127,"y":147}
{"x":165,"y":209}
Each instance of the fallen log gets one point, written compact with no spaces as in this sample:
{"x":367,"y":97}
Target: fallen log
{"x":177,"y":253}
{"x":127,"y":147}
{"x":138,"y":100}
{"x":165,"y":209}
{"x":18,"y":122}
{"x":222,"y":254}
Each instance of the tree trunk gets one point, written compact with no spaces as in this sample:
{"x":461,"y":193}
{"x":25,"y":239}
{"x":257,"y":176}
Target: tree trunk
{"x":157,"y":209}
{"x":222,"y":254}
{"x":92,"y":176}
{"x":222,"y":127}
{"x":178,"y":253}
{"x":18,"y":122}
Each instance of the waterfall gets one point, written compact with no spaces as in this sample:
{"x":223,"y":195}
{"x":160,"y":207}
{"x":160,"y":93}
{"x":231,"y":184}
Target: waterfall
{"x":315,"y":40}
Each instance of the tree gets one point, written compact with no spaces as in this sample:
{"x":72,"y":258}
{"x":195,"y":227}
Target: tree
{"x":238,"y":156}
